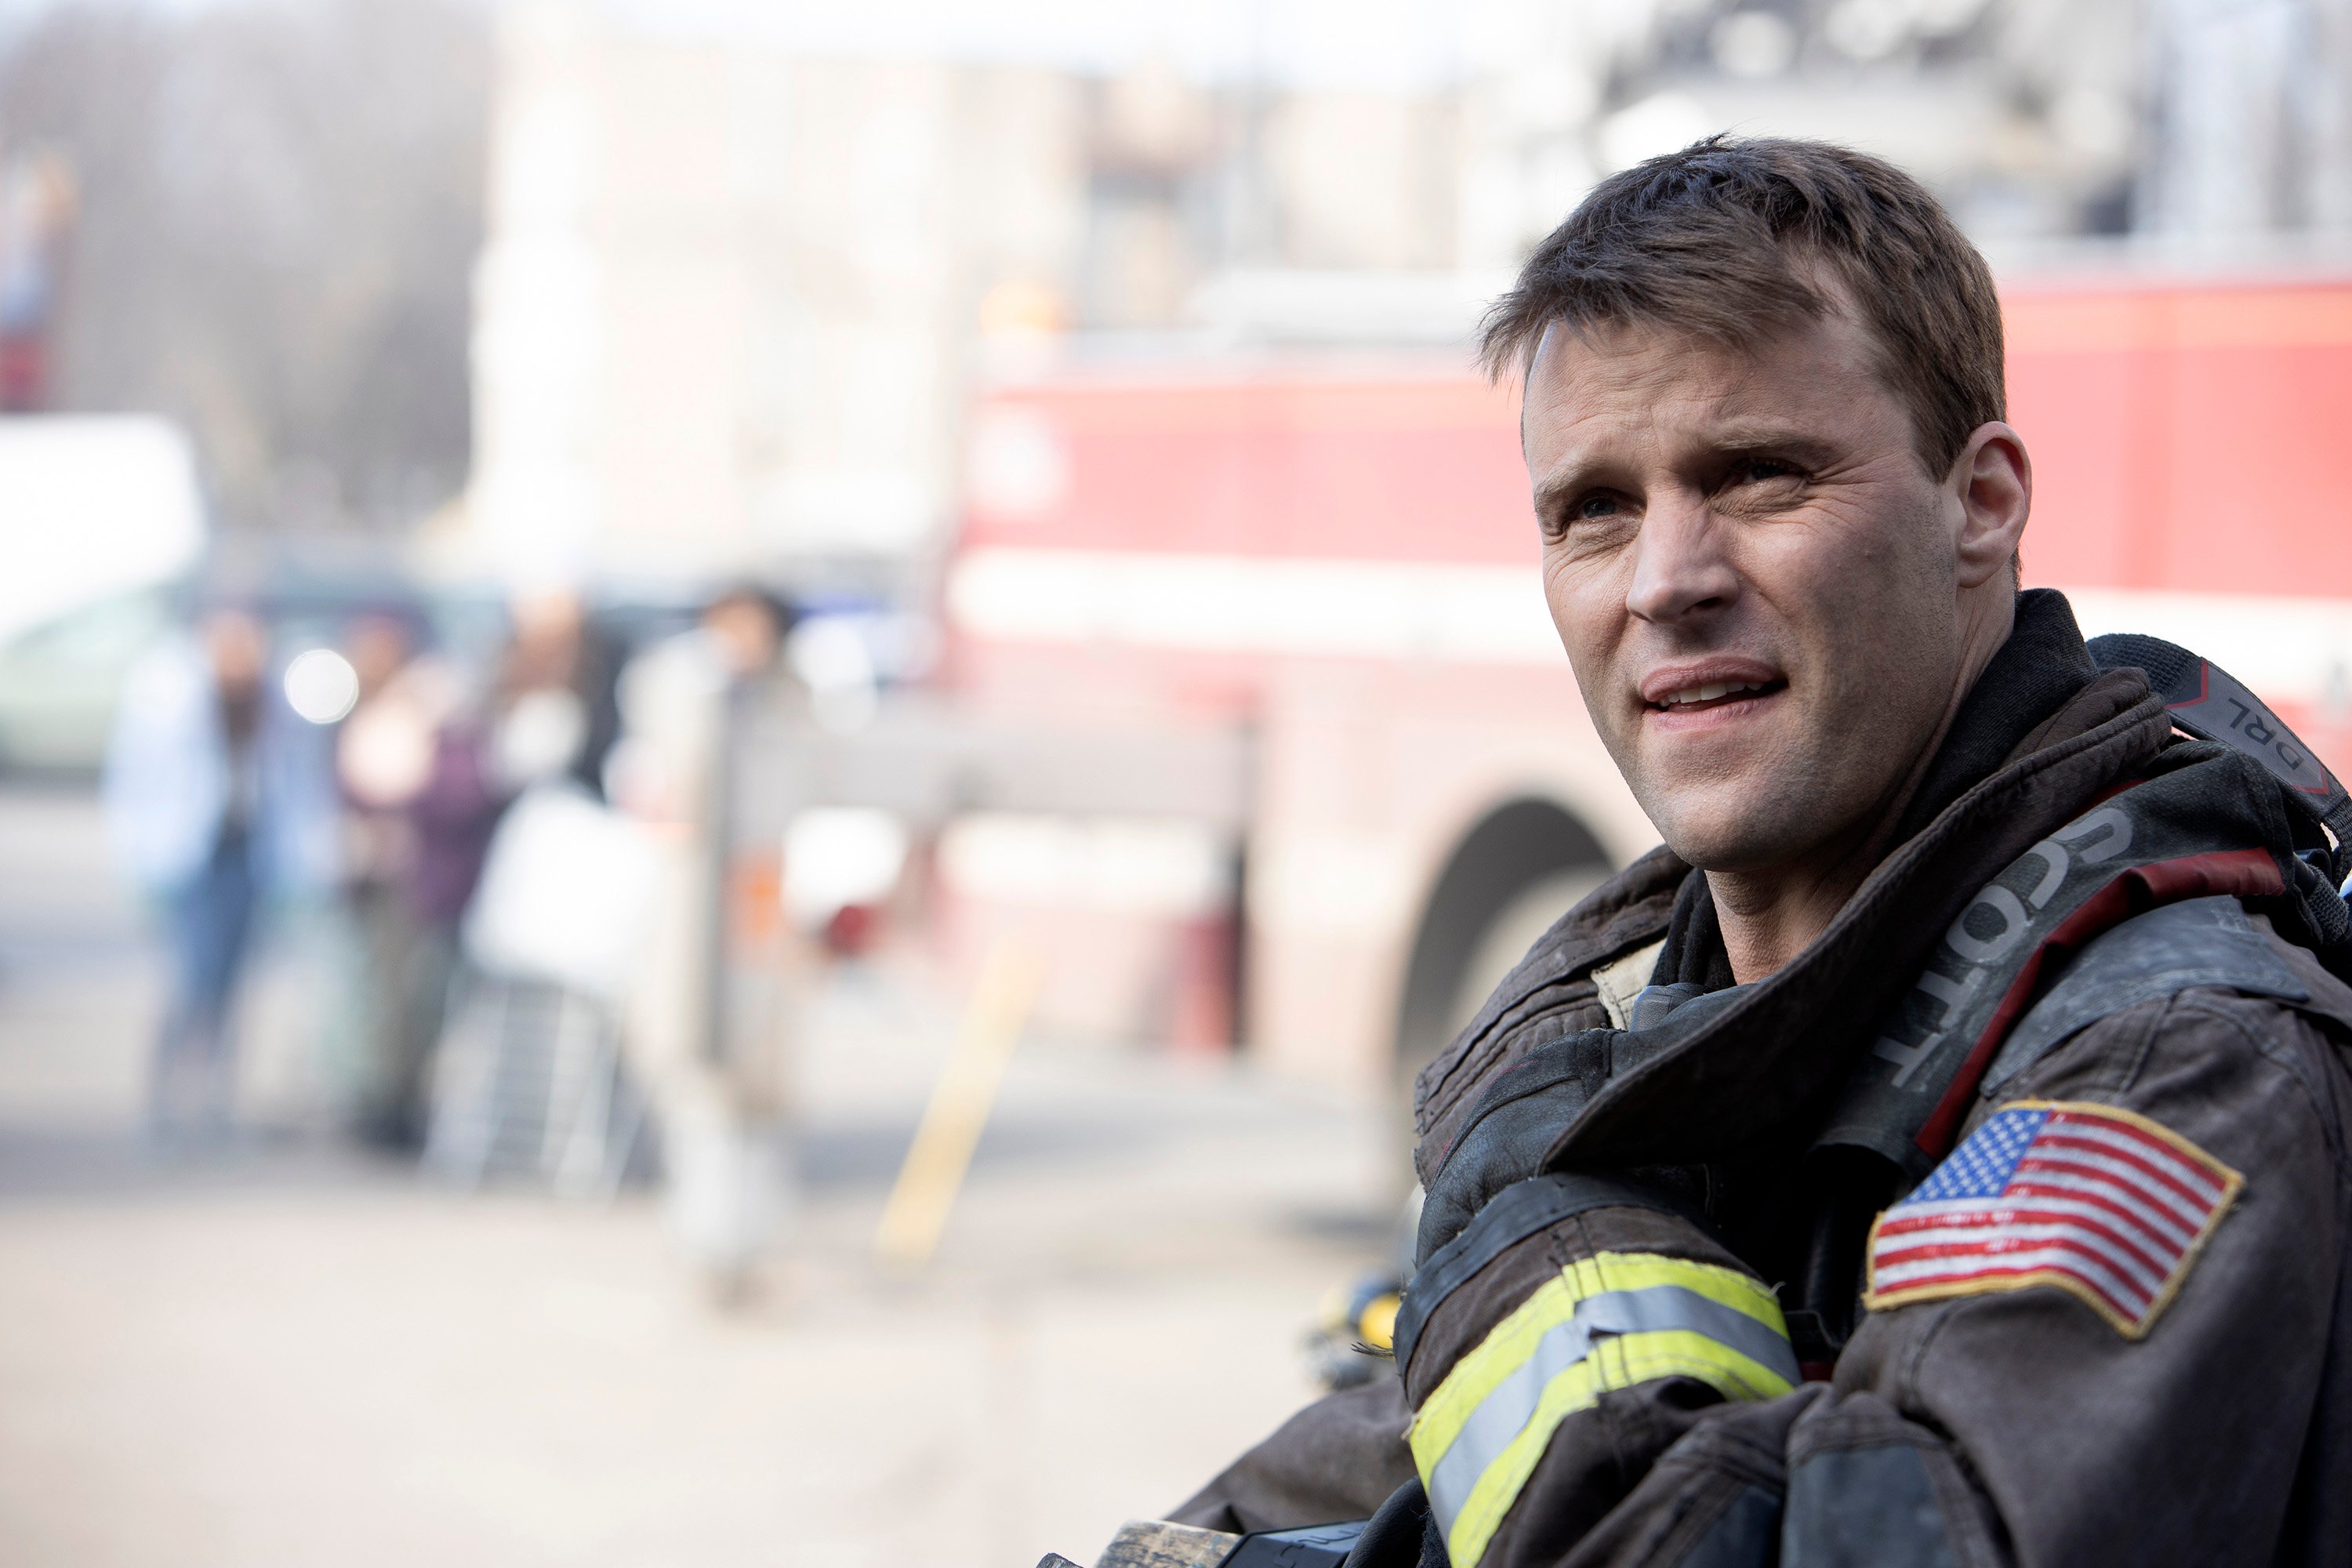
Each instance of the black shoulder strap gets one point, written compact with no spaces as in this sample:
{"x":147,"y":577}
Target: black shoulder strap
{"x":2181,"y":834}
{"x":2211,"y":704}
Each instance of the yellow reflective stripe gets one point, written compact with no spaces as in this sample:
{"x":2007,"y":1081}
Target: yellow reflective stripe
{"x":1620,"y":1361}
{"x":1508,"y":1344}
{"x":1481,"y":1514}
{"x":1639,"y":1323}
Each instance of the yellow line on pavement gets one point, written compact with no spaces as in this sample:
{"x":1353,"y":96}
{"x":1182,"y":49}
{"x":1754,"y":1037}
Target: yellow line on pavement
{"x":961,"y":1100}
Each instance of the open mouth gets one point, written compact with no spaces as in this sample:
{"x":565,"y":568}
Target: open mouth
{"x":1713,"y":694}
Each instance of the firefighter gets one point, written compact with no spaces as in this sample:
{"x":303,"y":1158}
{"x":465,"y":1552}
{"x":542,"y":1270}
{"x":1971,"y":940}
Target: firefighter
{"x":1939,"y":1150}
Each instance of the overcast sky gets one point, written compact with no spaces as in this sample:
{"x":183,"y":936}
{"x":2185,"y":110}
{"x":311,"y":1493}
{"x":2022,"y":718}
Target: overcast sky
{"x":1394,"y":44}
{"x":1378,"y":44}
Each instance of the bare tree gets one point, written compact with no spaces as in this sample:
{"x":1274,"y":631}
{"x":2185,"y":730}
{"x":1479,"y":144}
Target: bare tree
{"x":280,"y":204}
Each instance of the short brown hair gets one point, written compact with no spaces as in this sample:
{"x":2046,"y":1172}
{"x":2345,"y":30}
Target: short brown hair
{"x":1725,"y":239}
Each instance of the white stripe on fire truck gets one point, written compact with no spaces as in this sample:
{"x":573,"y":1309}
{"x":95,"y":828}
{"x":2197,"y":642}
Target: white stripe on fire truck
{"x":2291,"y":649}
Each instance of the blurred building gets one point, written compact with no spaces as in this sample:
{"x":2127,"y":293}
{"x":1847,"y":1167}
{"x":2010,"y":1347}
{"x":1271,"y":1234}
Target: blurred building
{"x":728,"y":296}
{"x":738,"y":281}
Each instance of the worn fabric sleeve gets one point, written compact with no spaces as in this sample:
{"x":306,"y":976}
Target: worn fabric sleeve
{"x":1340,"y":1458}
{"x":1545,"y":1383}
{"x":2023,"y":1414}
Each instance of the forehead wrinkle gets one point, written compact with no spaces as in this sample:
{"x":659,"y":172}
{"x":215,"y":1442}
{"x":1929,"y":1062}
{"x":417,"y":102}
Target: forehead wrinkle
{"x":1595,"y":431}
{"x":1614,"y":340}
{"x":1687,"y":390}
{"x":1674,"y":370}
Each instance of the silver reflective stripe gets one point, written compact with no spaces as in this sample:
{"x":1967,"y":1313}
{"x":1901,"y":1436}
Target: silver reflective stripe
{"x":1675,"y":1307}
{"x":1505,"y":1412}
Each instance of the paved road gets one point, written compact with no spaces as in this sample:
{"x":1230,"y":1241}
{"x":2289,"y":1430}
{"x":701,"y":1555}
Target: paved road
{"x":286,"y":1354}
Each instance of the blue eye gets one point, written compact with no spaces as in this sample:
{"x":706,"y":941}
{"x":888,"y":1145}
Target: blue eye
{"x":1597,"y":507}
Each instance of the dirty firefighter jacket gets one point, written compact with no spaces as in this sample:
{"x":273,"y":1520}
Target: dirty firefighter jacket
{"x":1663,"y":1247}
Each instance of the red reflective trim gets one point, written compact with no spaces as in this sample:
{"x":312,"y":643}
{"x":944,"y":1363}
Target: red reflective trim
{"x":2241,"y":873}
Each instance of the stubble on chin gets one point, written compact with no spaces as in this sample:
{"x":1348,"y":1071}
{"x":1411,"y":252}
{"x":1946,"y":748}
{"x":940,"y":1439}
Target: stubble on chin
{"x":1725,"y":825}
{"x":1783,"y":798}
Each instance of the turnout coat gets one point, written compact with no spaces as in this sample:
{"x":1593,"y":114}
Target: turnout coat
{"x":2007,"y":1225}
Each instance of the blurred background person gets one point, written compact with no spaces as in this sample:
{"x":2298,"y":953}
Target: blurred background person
{"x":389,"y":753}
{"x":527,"y":1080}
{"x":215,"y":798}
{"x":556,"y":710}
{"x":704,"y":1016}
{"x":435,"y":761}
{"x":37,"y":211}
{"x":451,"y":816}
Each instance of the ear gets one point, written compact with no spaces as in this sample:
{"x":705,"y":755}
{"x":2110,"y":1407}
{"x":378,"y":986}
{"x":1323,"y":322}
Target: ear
{"x":1993,"y":480}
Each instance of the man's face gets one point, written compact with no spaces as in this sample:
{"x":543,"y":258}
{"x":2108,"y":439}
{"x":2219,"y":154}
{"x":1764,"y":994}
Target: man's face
{"x":1754,"y":577}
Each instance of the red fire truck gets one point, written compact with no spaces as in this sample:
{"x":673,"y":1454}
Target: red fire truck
{"x":1250,"y":704}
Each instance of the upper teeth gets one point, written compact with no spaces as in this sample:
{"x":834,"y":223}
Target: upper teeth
{"x":1711,"y":690}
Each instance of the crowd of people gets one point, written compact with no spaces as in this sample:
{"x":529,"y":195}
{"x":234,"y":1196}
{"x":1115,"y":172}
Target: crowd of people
{"x":229,"y":804}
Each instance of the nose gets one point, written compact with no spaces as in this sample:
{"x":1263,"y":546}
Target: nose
{"x":1680,"y":568}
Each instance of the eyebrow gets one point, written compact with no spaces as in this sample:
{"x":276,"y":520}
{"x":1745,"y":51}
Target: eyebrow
{"x":1741,"y":438}
{"x":1553,"y":491}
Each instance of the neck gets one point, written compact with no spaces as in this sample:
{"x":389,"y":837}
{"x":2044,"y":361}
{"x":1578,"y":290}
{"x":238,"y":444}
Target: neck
{"x":1768,"y":915}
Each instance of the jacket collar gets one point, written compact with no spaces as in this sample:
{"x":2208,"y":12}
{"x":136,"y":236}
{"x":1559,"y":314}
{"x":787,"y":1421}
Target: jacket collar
{"x":1762,"y":1067}
{"x":2040,"y":733}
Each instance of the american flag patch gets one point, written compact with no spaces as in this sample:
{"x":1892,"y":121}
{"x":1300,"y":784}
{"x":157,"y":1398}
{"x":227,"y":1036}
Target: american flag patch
{"x":2096,"y":1201}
